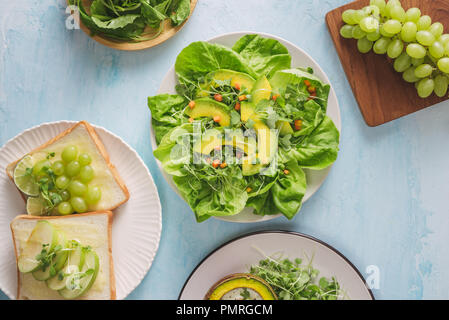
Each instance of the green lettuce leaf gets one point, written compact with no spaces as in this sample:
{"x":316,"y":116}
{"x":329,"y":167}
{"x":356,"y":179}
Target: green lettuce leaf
{"x":311,"y":116}
{"x":166,"y":113}
{"x":214,"y":195}
{"x":179,"y":11}
{"x":289,"y":190}
{"x":292,"y":82}
{"x":153,"y":17}
{"x":263,"y":204}
{"x":316,"y":151}
{"x":265,"y":56}
{"x":200,"y":58}
{"x":174,"y":151}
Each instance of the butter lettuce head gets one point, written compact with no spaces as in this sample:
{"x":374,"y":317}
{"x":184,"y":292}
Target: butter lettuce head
{"x":226,"y":191}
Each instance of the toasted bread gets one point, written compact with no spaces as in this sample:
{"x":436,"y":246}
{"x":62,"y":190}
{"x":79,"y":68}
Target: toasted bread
{"x":83,"y":135}
{"x":90,"y":229}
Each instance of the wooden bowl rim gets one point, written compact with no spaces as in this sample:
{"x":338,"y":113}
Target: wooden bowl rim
{"x":168,"y":32}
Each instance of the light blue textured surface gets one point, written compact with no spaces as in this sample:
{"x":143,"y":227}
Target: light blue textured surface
{"x":385,"y":202}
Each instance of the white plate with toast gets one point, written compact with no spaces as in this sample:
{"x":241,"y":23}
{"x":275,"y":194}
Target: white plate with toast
{"x":137,"y":221}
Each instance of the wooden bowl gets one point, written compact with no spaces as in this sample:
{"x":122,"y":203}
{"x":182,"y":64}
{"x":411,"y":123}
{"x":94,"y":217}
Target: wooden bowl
{"x":167,"y":32}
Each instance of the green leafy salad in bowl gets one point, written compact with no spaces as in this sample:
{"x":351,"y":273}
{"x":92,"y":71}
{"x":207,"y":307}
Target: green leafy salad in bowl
{"x":242,"y":128}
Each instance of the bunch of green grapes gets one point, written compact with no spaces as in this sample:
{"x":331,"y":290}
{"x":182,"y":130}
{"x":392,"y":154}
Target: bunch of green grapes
{"x":418,"y":47}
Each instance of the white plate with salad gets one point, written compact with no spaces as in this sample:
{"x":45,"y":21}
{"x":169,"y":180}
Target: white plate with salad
{"x":294,"y":266}
{"x":137,"y":224}
{"x":252,"y":82}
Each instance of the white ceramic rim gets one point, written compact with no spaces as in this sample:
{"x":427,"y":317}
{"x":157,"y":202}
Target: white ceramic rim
{"x":337,"y":121}
{"x":284,"y":232}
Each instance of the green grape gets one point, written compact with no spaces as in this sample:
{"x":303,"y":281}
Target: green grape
{"x":443,"y":64}
{"x":413,"y":15}
{"x":84,"y":159}
{"x":86,"y":173}
{"x":62,"y":182}
{"x":437,"y":29}
{"x":417,"y":51}
{"x":426,"y":38}
{"x":358,"y":33}
{"x":358,"y":16}
{"x":69,"y":153}
{"x":381,"y":45}
{"x":395,"y":3}
{"x":77,"y":188}
{"x":65,"y":208}
{"x":58,"y":168}
{"x":446,"y":49}
{"x":381,"y":4}
{"x":426,"y":87}
{"x":73,"y":168}
{"x":444,"y":39}
{"x":372,"y":11}
{"x":345,"y":32}
{"x":398,"y":13}
{"x":402,"y":63}
{"x":408,"y":32}
{"x":423,"y":70}
{"x":424,"y":23}
{"x":93,"y":195}
{"x":417,"y":62}
{"x":385,"y":33}
{"x":437,"y":50}
{"x":441,"y":85}
{"x":373,"y":36}
{"x":409,"y":75}
{"x":369,"y":24}
{"x":65,"y":195}
{"x":78,"y":204}
{"x":348,"y":16}
{"x":395,"y":48}
{"x":390,"y":5}
{"x":40,"y":166}
{"x":392,"y":26}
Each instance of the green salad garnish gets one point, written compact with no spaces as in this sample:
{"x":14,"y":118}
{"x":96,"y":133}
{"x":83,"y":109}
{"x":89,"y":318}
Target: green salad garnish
{"x":242,"y":128}
{"x":131,"y":20}
{"x":293,"y":280}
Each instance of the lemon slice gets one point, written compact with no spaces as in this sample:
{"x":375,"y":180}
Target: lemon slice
{"x":35,"y":206}
{"x":42,"y":234}
{"x":23,"y":178}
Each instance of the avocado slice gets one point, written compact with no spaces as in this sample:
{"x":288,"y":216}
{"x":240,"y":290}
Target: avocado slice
{"x":267,"y":140}
{"x":240,"y":286}
{"x":284,"y":128}
{"x":206,"y":107}
{"x":213,"y":138}
{"x":261,"y":90}
{"x":242,"y":79}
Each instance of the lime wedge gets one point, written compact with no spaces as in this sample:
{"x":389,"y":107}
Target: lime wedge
{"x":23,"y":178}
{"x":35,"y":206}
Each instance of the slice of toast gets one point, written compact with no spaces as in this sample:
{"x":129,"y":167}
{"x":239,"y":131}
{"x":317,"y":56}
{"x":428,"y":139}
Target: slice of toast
{"x":113,"y":190}
{"x":90,"y":229}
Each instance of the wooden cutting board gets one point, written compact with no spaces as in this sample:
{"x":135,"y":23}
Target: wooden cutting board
{"x":381,"y":93}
